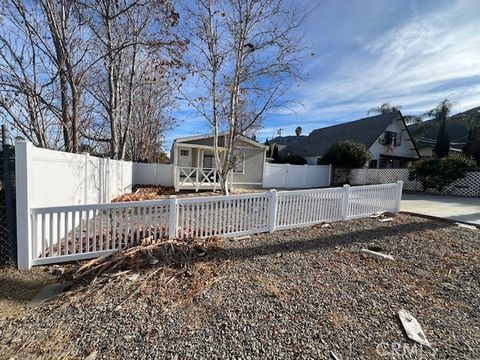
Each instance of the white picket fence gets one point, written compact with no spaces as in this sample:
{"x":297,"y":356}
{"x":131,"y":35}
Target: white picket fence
{"x":67,"y":233}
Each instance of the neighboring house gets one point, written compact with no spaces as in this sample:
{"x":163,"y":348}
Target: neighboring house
{"x":386,"y":136}
{"x":194,"y":161}
{"x":281,"y":142}
{"x":456,"y":129}
{"x":425,"y":146}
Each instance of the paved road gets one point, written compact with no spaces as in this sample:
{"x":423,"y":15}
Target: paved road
{"x":456,"y":208}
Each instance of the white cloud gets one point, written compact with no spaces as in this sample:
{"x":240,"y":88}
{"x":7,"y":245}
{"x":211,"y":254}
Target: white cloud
{"x":414,"y":64}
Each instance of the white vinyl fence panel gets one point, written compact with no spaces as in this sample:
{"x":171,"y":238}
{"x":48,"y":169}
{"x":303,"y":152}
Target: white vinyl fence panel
{"x":78,"y":232}
{"x":305,"y":207}
{"x":153,"y":174}
{"x":366,"y":200}
{"x":222,"y":215}
{"x":287,"y":176}
{"x":67,"y":233}
{"x":60,"y":178}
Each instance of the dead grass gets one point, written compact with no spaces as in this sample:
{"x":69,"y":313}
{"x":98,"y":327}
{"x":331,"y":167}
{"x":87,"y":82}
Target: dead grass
{"x":52,"y":344}
{"x":151,"y":192}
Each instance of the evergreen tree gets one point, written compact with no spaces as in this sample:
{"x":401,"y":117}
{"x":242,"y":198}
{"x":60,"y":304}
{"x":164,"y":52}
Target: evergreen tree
{"x":275,"y":155}
{"x":269,"y":149}
{"x":441,"y":113}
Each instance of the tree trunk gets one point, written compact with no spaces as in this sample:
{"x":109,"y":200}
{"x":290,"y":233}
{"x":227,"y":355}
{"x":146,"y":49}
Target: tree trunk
{"x":123,"y":140}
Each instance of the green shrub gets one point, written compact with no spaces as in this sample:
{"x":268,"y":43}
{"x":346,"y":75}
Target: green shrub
{"x":438,"y":173}
{"x":294,"y":160}
{"x":346,"y":154}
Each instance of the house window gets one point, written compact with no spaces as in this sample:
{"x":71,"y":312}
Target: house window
{"x":239,"y":158}
{"x":184,"y":152}
{"x":390,"y":137}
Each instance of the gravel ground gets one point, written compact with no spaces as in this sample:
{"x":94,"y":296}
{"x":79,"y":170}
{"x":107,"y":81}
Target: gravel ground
{"x":292,"y":294}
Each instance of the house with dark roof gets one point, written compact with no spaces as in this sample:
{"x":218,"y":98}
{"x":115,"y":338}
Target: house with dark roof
{"x":386,"y":136}
{"x":456,"y":129}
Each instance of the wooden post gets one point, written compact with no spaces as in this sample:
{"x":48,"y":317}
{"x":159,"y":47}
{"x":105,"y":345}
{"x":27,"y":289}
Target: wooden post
{"x":172,"y":217}
{"x":346,"y":196}
{"x":272,"y":209}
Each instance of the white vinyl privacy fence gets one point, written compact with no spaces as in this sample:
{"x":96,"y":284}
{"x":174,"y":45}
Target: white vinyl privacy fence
{"x":289,"y":176}
{"x":66,"y":233}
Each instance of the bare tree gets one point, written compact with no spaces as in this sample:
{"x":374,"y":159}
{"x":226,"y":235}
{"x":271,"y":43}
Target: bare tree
{"x":69,"y":70}
{"x":247,"y":53}
{"x":127,"y":33}
{"x":41,"y":61}
{"x":150,"y":115}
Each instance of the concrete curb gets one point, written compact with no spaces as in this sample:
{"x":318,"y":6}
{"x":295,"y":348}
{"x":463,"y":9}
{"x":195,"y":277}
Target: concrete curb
{"x":431,"y":217}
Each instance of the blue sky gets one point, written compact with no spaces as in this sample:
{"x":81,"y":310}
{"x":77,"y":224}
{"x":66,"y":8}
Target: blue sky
{"x":367,"y":52}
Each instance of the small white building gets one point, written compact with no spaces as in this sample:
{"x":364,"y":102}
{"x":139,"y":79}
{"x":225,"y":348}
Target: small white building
{"x":195,"y":167}
{"x":386,"y":136}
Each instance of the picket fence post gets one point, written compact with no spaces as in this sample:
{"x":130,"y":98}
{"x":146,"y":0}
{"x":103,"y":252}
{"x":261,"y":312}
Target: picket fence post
{"x":346,"y":198}
{"x":272,"y":207}
{"x":176,"y":177}
{"x":399,"y":195}
{"x":23,"y":179}
{"x":172,"y":217}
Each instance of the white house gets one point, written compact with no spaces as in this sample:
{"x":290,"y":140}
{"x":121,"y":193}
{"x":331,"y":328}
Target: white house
{"x":386,"y":136}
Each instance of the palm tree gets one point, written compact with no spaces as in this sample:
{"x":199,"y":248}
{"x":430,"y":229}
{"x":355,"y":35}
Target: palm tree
{"x":298,"y":130}
{"x":384,"y":109}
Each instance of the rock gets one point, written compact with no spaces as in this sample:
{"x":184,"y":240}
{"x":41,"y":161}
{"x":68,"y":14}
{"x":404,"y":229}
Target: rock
{"x":244,"y":237}
{"x":133,"y":277}
{"x":92,"y":356}
{"x":58,"y":271}
{"x":412,"y":328}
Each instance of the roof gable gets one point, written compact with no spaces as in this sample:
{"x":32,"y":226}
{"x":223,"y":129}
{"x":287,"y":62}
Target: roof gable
{"x":364,"y":131}
{"x":243,"y":138}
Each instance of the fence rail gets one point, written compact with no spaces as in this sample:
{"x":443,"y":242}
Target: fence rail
{"x":67,"y":233}
{"x":196,"y":178}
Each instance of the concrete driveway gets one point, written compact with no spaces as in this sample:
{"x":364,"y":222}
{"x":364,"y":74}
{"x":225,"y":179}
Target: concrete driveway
{"x":464,"y":209}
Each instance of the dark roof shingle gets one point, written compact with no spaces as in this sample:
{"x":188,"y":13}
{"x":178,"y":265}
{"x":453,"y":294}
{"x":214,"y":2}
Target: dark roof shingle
{"x":364,"y":131}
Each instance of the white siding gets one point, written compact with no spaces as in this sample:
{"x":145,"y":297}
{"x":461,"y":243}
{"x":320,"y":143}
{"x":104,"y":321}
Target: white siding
{"x":406,"y":149}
